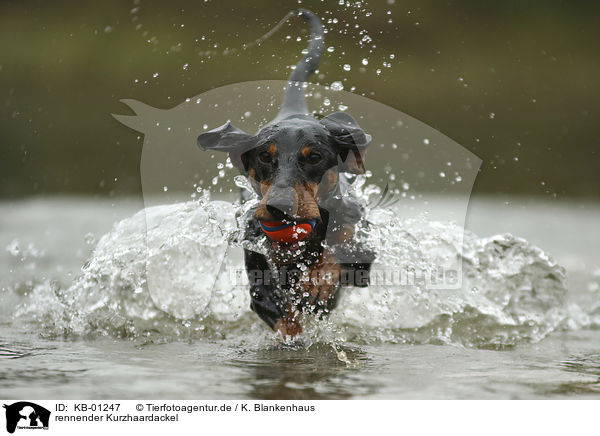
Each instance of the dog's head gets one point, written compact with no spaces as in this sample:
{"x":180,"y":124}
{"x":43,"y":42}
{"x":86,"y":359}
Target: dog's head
{"x":293,"y":163}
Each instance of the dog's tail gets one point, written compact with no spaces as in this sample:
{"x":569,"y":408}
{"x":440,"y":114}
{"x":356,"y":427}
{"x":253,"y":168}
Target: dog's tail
{"x":293,"y":99}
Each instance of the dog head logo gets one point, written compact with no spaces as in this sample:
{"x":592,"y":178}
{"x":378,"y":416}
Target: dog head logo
{"x":26,"y":415}
{"x":294,"y":147}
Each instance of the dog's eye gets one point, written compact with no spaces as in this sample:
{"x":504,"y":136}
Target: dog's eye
{"x":265,"y":157}
{"x":313,"y":158}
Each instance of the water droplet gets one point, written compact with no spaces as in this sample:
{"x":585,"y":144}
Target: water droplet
{"x":426,"y":141}
{"x":365,"y":61}
{"x":165,"y":188}
{"x":155,"y":75}
{"x":492,"y":115}
{"x":90,"y":238}
{"x":330,"y":49}
{"x":336,"y":86}
{"x":347,"y":67}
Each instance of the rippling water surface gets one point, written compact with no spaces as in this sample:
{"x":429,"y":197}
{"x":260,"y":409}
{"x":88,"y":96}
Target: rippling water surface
{"x":523,"y":324}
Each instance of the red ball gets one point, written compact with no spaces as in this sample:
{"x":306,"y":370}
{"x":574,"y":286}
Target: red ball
{"x":287,"y":233}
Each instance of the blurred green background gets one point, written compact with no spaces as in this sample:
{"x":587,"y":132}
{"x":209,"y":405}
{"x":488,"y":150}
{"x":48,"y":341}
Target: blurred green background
{"x":514,"y":82}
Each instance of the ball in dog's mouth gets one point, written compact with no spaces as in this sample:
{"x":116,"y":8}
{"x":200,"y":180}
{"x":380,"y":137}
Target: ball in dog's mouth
{"x":287,"y":232}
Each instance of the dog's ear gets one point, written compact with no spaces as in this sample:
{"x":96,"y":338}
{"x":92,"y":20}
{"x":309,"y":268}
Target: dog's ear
{"x":351,"y":140}
{"x":228,"y":139}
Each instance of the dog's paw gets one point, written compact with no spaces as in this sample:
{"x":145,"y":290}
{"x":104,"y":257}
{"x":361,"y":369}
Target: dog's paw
{"x":288,"y":326}
{"x":320,"y":282}
{"x":266,"y":305}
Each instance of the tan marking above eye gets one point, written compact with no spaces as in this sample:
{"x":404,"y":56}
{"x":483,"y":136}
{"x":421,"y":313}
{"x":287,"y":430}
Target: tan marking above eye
{"x":272,"y":149}
{"x":305,"y":151}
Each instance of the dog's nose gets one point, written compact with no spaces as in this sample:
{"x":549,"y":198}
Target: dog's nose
{"x":282,"y":203}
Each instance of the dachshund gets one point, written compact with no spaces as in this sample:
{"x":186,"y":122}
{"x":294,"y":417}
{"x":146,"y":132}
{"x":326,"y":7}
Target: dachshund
{"x":301,"y":167}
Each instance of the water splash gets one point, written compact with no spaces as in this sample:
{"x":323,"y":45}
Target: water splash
{"x":511,"y":291}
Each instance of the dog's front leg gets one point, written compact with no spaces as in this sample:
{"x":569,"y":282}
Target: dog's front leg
{"x":321,"y":283}
{"x":354,"y":258}
{"x":263,"y":296}
{"x":289,"y":325}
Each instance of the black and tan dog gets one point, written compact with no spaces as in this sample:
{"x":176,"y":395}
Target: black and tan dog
{"x":298,"y":164}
